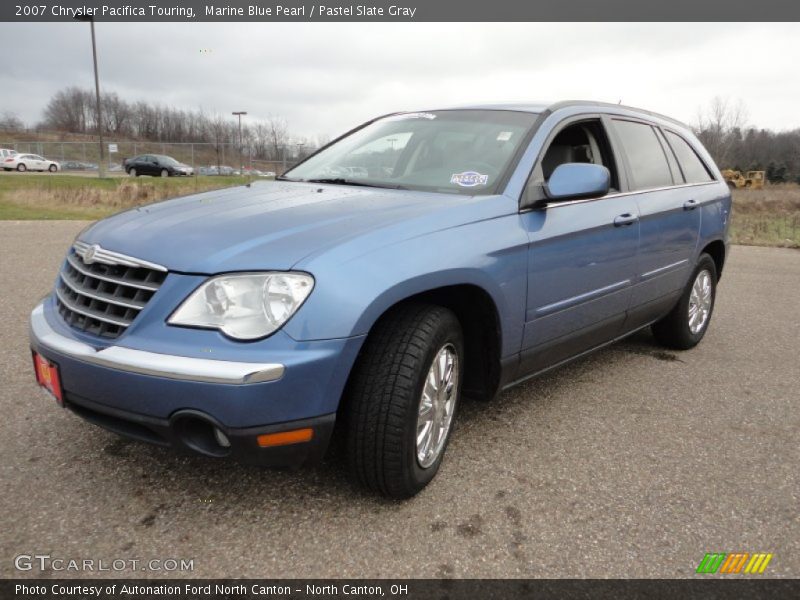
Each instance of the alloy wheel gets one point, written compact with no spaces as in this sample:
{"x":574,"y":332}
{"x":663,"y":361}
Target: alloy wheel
{"x":700,"y":301}
{"x":437,"y":406}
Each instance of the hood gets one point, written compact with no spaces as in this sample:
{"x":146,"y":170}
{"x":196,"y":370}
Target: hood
{"x":274,"y":225}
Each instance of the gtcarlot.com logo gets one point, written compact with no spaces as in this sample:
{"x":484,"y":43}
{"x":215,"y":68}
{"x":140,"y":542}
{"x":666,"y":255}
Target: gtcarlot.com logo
{"x":734,"y":562}
{"x":47,"y":562}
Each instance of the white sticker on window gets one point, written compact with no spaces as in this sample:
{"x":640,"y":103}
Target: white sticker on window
{"x":504,"y":136}
{"x":469,"y":179}
{"x":416,"y":115}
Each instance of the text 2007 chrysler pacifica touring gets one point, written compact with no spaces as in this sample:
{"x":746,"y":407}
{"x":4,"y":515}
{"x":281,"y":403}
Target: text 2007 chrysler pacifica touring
{"x":420,"y":258}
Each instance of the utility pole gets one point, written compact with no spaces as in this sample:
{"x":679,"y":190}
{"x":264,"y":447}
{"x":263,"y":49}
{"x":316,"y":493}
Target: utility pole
{"x":101,"y":168}
{"x":241,"y":149}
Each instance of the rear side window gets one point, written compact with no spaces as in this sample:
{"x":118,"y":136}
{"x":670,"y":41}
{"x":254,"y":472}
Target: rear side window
{"x":646,"y":157}
{"x":694,"y":171}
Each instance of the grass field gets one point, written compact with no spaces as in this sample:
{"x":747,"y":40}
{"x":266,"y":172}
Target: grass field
{"x":767,"y":217}
{"x":33,"y":196}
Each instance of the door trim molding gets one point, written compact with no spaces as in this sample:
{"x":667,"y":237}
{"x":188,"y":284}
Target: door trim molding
{"x":580,"y":298}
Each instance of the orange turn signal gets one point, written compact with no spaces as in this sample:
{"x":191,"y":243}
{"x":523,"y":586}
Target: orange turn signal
{"x":283,"y":438}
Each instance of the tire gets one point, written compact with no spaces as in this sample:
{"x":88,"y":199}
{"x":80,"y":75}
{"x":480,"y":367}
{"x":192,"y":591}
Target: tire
{"x":52,"y":168}
{"x":132,"y":172}
{"x":164,"y":173}
{"x":385,"y":395}
{"x":21,"y":167}
{"x":677,"y":330}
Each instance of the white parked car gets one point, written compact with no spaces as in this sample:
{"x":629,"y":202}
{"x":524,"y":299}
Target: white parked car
{"x":29,"y":162}
{"x":6,"y":152}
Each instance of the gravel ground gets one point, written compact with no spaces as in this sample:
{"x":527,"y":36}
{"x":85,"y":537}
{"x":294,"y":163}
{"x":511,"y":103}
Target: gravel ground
{"x":633,"y":462}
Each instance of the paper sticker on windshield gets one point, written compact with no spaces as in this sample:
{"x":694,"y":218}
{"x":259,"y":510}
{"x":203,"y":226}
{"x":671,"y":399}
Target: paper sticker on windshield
{"x":416,"y":115}
{"x":469,"y":179}
{"x":504,"y":136}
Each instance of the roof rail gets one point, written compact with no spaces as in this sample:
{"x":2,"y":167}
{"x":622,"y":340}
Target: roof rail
{"x":569,"y":103}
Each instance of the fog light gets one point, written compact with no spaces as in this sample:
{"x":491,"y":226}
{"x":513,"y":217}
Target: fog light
{"x":283,"y":438}
{"x":221,"y":438}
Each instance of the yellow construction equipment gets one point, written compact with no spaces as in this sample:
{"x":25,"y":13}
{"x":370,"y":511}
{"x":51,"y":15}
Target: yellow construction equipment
{"x":751,"y":179}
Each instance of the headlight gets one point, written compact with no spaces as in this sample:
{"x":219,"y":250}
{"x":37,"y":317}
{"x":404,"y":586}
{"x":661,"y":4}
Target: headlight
{"x":245,"y":306}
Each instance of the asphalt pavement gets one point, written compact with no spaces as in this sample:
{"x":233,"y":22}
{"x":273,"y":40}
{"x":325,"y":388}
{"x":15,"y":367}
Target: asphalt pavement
{"x":632,"y":462}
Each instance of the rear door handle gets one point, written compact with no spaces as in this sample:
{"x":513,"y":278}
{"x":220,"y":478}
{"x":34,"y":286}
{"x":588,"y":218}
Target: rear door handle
{"x":625,"y":220}
{"x":690,"y":205}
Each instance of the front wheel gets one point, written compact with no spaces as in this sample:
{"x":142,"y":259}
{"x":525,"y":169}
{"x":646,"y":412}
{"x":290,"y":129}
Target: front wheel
{"x":52,"y":168}
{"x":687,"y":322}
{"x":402,"y":399}
{"x":164,"y":173}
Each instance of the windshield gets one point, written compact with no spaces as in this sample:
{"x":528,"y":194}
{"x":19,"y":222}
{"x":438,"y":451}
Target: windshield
{"x":456,"y":151}
{"x":168,"y":160}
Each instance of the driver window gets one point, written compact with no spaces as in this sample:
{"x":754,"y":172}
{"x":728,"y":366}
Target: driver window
{"x":583,"y":142}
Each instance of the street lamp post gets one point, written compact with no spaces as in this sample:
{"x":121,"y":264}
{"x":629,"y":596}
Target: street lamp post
{"x":101,"y":171}
{"x":241,"y":148}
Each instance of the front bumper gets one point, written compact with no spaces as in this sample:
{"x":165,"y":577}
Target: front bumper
{"x":192,"y":432}
{"x":172,"y":400}
{"x":152,"y":363}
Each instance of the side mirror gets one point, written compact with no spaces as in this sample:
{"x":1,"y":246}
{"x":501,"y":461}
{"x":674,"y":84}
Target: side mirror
{"x":574,"y":181}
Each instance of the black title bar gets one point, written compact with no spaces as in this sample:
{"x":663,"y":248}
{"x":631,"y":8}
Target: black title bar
{"x":719,"y":588}
{"x":403,"y":10}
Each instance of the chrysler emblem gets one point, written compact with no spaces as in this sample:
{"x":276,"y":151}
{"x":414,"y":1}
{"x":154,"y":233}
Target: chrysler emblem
{"x":88,"y":255}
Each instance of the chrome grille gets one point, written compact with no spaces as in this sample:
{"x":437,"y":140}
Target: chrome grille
{"x":101,"y":292}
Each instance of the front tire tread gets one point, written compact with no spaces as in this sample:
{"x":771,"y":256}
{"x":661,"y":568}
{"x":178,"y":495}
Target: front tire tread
{"x":383,"y":390}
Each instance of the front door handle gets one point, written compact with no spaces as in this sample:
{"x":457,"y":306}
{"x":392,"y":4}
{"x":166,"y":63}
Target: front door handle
{"x":625,"y":220}
{"x":690,"y":205}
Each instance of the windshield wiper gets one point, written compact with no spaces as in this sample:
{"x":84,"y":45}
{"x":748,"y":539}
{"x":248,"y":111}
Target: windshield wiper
{"x":343,"y":181}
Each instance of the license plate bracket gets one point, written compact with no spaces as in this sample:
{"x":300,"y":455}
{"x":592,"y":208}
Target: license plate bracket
{"x":48,"y":376}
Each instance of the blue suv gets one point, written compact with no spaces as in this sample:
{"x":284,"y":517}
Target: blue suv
{"x":419,"y":259}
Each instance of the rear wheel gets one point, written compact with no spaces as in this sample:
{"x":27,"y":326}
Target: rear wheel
{"x":21,"y":167}
{"x":164,"y":173}
{"x":402,"y":399}
{"x":132,"y":172}
{"x":687,"y":322}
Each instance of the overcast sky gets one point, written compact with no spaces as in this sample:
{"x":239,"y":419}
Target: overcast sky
{"x":325,"y":78}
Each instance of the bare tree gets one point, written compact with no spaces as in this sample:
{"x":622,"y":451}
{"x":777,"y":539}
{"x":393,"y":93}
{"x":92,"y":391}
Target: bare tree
{"x":219,"y":133}
{"x":116,"y":114}
{"x":277,"y":136}
{"x":260,"y":140}
{"x":720,"y":126}
{"x":70,"y":109}
{"x":10,"y":121}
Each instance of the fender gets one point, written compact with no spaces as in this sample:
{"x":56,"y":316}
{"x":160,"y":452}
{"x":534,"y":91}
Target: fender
{"x":353,"y":290}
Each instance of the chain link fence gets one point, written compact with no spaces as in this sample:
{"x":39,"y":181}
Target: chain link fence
{"x":205,"y":158}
